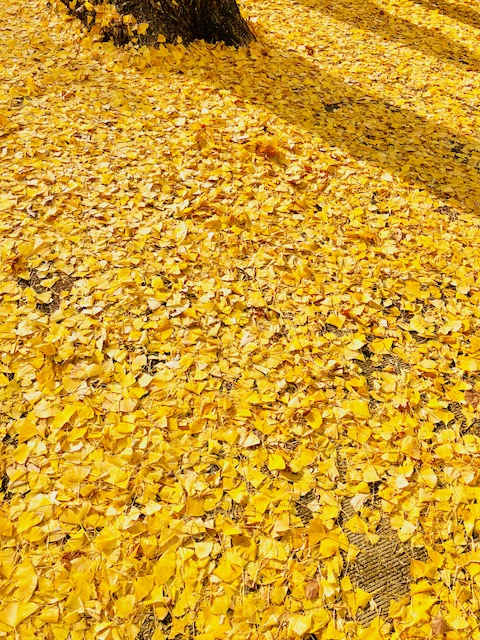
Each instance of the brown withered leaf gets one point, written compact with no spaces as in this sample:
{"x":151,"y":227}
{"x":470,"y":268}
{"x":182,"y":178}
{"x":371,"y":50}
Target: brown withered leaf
{"x":439,"y":626}
{"x":311,"y":590}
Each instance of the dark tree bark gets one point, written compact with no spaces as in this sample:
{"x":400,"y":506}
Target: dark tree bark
{"x":209,"y":20}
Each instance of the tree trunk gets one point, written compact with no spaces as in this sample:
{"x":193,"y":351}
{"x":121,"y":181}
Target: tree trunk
{"x":209,"y":20}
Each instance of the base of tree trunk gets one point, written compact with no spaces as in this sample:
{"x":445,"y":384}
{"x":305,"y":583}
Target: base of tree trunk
{"x":209,"y":20}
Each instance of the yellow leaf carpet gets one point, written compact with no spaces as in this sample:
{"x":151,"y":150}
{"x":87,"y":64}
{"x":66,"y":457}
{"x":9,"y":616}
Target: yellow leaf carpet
{"x":239,"y":327}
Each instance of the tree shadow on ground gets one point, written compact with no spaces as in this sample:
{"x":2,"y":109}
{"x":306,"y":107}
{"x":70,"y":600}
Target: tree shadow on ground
{"x":420,"y":150}
{"x":456,"y":11}
{"x":368,"y":16}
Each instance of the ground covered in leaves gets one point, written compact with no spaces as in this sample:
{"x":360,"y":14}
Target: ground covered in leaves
{"x":239,"y":327}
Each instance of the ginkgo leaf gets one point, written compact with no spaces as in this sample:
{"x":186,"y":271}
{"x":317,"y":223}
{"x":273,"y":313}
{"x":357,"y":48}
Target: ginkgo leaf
{"x":276,"y":462}
{"x":357,"y":407}
{"x":203,"y":549}
{"x":14,"y":613}
{"x":142,"y":586}
{"x":314,"y":418}
{"x":142,"y":28}
{"x":165,"y":568}
{"x":124,"y":606}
